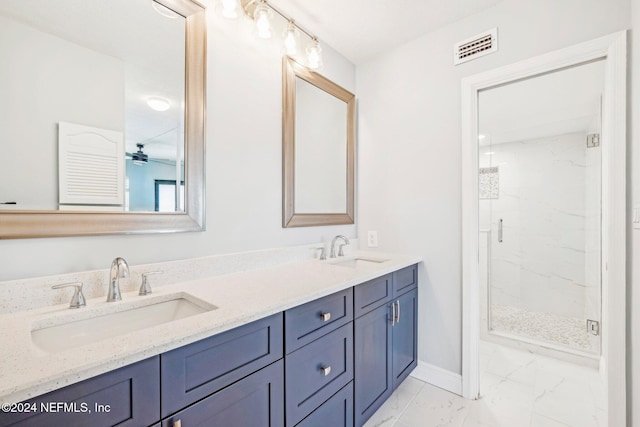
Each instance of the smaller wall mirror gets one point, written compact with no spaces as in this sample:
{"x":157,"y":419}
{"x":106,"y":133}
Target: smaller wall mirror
{"x":318,"y":138}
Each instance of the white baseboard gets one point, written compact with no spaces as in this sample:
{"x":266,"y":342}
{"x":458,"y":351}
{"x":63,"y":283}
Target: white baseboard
{"x":438,"y":377}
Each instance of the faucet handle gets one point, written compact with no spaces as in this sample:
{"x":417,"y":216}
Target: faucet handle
{"x":145,"y":287}
{"x":341,"y":251}
{"x":323,"y":253}
{"x":77,"y":300}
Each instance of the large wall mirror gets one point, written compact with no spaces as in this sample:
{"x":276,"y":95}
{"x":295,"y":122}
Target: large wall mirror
{"x":318,"y":149}
{"x":101,"y":117}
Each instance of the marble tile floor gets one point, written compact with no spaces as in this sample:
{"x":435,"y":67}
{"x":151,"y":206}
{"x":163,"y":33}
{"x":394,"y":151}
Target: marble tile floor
{"x":518,"y":389}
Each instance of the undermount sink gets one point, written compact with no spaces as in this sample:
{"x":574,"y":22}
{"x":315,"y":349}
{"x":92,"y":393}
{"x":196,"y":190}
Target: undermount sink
{"x":358,"y":261}
{"x":89,"y":330}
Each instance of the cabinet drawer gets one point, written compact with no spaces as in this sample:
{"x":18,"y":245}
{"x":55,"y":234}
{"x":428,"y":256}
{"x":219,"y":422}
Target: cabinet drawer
{"x":312,"y":320}
{"x":404,"y":280}
{"x":194,"y":371}
{"x":129,"y":396}
{"x":335,"y":412}
{"x":255,"y":401}
{"x":372,"y":294}
{"x":308,"y":380}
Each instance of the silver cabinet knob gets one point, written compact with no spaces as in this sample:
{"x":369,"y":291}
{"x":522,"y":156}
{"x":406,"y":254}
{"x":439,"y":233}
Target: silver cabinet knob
{"x":77,"y":300}
{"x":325,"y":316}
{"x":326,"y":370}
{"x":177,"y":423}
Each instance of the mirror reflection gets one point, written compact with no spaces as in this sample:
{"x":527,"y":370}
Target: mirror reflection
{"x":321,"y":150}
{"x":92,"y":110}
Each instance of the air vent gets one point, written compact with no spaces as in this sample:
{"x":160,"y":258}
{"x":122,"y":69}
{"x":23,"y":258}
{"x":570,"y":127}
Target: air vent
{"x":476,"y":46}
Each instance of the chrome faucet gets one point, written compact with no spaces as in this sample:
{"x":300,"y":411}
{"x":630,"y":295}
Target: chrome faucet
{"x":119,"y":269}
{"x":333,"y":246}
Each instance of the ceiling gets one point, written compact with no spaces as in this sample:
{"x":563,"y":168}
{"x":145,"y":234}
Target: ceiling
{"x":360,"y":29}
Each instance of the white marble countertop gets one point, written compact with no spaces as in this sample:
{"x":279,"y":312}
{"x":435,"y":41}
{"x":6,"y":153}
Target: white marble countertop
{"x":27,"y":371}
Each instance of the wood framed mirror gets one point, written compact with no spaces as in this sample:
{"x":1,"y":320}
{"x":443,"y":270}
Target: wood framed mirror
{"x":116,"y":35}
{"x":318,"y":140}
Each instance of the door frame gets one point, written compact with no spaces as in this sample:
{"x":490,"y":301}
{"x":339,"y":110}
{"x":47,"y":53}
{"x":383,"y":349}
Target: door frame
{"x":612,"y":48}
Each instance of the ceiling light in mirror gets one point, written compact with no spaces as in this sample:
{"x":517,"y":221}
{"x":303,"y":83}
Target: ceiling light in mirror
{"x":164,"y":11}
{"x":158,"y":104}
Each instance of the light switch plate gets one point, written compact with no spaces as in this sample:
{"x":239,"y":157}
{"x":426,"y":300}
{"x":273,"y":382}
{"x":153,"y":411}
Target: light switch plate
{"x":636,"y":217}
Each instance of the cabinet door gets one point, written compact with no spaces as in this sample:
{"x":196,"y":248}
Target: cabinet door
{"x":373,"y":377}
{"x":128,"y":396}
{"x":255,"y":401}
{"x":405,"y":341}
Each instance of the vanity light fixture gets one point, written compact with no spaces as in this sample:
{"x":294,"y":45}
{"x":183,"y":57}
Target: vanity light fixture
{"x":314,"y":54}
{"x":158,"y":104}
{"x":291,"y":39}
{"x":230,"y":9}
{"x":262,"y":13}
{"x":262,"y":19}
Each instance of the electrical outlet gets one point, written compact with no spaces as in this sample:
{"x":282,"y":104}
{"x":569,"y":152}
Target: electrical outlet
{"x":372,"y":239}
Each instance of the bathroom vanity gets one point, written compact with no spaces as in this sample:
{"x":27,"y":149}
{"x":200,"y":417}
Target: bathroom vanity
{"x":331,"y":359}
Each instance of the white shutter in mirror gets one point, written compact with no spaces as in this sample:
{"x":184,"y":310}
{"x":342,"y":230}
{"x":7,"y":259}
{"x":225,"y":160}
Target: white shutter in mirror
{"x":91,"y":165}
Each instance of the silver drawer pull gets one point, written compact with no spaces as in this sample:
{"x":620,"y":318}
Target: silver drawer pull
{"x":393,"y":314}
{"x":398,"y":312}
{"x":177,"y":423}
{"x":326,"y":370}
{"x":325,"y":316}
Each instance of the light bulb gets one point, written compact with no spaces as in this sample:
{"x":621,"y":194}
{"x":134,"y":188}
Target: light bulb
{"x":230,"y":9}
{"x":291,"y":39}
{"x":314,"y":54}
{"x":262,"y":17}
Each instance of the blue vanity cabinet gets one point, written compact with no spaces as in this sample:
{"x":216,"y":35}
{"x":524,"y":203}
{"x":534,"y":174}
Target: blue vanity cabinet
{"x":197,"y":370}
{"x":405,"y":280}
{"x":373,"y":362}
{"x":308,"y":322}
{"x":372,"y":294}
{"x":128,"y":396}
{"x":405,"y":337}
{"x":335,"y":412}
{"x":254,"y":401}
{"x":385,"y":338}
{"x":319,"y":356}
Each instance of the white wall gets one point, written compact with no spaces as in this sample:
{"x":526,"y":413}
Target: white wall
{"x":409,"y":142}
{"x":244,"y":169}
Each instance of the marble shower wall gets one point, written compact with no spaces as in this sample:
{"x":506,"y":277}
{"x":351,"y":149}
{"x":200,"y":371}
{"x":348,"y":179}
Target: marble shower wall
{"x":548,"y":260}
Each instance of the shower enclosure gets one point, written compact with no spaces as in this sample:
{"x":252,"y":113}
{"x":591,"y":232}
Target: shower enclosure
{"x":540,"y":209}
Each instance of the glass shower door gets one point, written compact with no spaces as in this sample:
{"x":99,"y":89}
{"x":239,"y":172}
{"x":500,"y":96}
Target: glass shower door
{"x":540,"y":199}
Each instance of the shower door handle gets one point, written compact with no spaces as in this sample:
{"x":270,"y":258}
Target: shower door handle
{"x":500,"y":230}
